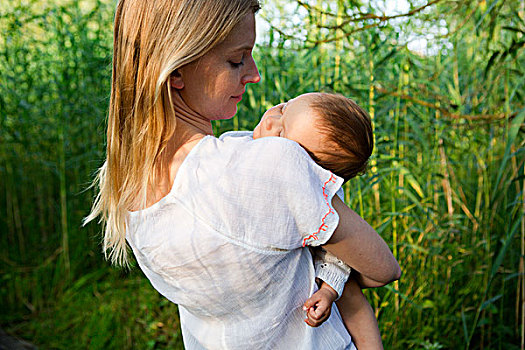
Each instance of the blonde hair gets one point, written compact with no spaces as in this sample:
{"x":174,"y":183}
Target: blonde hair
{"x":151,"y":40}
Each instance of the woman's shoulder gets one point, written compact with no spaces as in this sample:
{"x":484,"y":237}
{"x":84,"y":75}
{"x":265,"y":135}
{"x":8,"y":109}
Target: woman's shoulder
{"x":266,"y":149}
{"x":245,"y":187}
{"x":271,"y":163}
{"x":238,"y":149}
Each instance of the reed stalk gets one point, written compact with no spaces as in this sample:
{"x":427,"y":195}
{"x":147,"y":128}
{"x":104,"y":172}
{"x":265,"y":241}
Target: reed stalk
{"x":371,"y":112}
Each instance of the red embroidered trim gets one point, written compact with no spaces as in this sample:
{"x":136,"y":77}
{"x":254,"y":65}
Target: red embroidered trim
{"x":330,"y":211}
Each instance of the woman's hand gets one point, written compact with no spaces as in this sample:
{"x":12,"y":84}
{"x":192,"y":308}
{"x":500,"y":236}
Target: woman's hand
{"x":356,"y":243}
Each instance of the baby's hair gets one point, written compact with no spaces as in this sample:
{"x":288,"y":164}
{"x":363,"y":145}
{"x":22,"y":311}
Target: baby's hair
{"x":348,"y":127}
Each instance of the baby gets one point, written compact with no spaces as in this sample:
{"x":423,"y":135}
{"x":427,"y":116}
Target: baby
{"x":337,"y":134}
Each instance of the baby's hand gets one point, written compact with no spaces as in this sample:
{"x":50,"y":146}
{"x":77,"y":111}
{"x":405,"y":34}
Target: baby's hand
{"x":319,"y":305}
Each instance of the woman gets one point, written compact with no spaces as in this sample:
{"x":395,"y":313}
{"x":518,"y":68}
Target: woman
{"x":218,"y":226}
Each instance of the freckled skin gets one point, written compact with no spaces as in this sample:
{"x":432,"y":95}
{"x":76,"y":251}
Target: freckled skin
{"x":213,"y":84}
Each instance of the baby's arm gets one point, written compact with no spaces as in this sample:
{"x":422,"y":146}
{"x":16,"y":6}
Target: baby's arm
{"x":359,"y":317}
{"x":333,"y":273}
{"x":330,"y":269}
{"x":356,"y":312}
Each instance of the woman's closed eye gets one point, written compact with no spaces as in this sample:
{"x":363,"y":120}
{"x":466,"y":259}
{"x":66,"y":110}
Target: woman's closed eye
{"x":236,"y":63}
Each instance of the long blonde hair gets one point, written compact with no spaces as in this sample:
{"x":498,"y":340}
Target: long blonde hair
{"x":151,"y":40}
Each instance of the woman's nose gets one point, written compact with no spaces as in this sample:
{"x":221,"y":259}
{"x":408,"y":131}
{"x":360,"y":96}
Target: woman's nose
{"x":252,"y":73}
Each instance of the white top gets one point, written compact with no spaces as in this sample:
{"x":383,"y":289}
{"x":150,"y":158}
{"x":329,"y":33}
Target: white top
{"x":227,"y":244}
{"x":328,"y":267}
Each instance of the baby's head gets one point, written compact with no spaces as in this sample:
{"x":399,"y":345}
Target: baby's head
{"x":333,"y":129}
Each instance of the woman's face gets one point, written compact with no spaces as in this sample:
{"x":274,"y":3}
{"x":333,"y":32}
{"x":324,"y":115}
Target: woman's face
{"x":213,"y":84}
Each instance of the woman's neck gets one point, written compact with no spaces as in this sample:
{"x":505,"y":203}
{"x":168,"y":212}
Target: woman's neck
{"x":190,"y":128}
{"x":189,"y":120}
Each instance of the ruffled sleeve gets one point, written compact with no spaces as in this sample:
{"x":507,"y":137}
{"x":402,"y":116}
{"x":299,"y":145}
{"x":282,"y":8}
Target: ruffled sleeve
{"x":331,"y":269}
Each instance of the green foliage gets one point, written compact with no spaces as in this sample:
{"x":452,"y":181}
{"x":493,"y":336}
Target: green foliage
{"x":105,"y":309}
{"x":445,"y":187}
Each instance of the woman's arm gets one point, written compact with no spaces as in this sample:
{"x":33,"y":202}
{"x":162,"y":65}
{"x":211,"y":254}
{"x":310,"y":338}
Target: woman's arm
{"x":356,"y":243}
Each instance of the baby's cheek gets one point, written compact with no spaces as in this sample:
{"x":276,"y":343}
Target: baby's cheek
{"x":256,"y":132}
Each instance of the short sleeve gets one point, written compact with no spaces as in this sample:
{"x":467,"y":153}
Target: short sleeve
{"x":266,"y":193}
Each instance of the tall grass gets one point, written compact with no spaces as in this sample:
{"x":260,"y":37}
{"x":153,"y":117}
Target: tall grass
{"x":445,"y":188}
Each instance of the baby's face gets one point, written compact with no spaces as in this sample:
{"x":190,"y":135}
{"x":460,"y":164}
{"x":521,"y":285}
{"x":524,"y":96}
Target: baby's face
{"x":294,"y":120}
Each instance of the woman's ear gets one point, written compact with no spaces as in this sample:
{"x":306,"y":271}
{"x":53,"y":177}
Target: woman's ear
{"x":176,"y":80}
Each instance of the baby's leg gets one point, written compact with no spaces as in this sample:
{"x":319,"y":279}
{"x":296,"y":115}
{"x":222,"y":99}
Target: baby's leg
{"x":359,"y":317}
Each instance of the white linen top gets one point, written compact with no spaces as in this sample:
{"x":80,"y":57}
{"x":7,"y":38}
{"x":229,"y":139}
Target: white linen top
{"x":228,"y":244}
